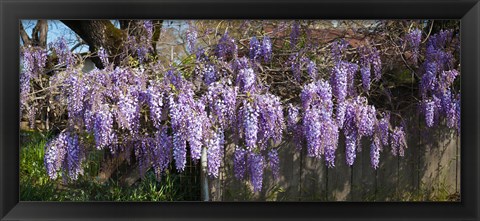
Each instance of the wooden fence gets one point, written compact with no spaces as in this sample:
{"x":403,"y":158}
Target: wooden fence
{"x":429,"y":171}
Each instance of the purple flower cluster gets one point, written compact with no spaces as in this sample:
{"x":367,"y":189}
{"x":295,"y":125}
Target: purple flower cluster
{"x":128,"y":113}
{"x":239,"y":163}
{"x":274,"y":163}
{"x":177,"y":111}
{"x":75,"y":97}
{"x":255,"y":48}
{"x":398,"y":141}
{"x":250,"y":124}
{"x":156,"y":102}
{"x":195,"y":126}
{"x":226,"y":47}
{"x":375,"y":152}
{"x":162,"y":152}
{"x":246,"y":78}
{"x":215,"y":152}
{"x":369,"y":57}
{"x":271,"y":121}
{"x":414,"y":38}
{"x":312,"y":69}
{"x":103,"y":127}
{"x":209,"y":73}
{"x":382,"y":129}
{"x":429,"y":108}
{"x":437,"y":81}
{"x":191,"y":38}
{"x":64,"y":153}
{"x":266,"y":50}
{"x":360,"y":120}
{"x":292,"y":117}
{"x":33,"y":62}
{"x":103,"y":55}
{"x":320,"y":129}
{"x":65,"y":56}
{"x":221,"y":100}
{"x":342,"y":79}
{"x":257,"y":163}
{"x":338,"y":49}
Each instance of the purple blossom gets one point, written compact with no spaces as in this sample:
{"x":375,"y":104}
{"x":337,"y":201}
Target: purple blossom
{"x":55,"y":153}
{"x":209,"y":74}
{"x":162,"y":152}
{"x":179,"y":151}
{"x":64,"y":153}
{"x":292,"y":116}
{"x":312,"y":125}
{"x":250,"y":124}
{"x":239,"y":163}
{"x":148,"y":25}
{"x":382,"y":131}
{"x":271,"y":121}
{"x":342,"y":79}
{"x":103,"y":127}
{"x":195,"y":129}
{"x":340,"y":114}
{"x":221,"y":100}
{"x":329,"y":139}
{"x":446,"y":78}
{"x":75,"y":96}
{"x":155,"y":102}
{"x":33,"y":61}
{"x":65,"y":56}
{"x":246,"y":78}
{"x":215,"y":152}
{"x":414,"y":38}
{"x":338,"y":49}
{"x":103,"y":55}
{"x":369,"y":56}
{"x":375,"y":152}
{"x":429,"y":110}
{"x":128,"y":113}
{"x":191,"y":38}
{"x":366,"y":119}
{"x":226,"y":47}
{"x":266,"y":50}
{"x":180,"y":115}
{"x":398,"y":141}
{"x":256,"y":162}
{"x":255,"y":48}
{"x":365,"y":71}
{"x":274,"y":163}
{"x":350,"y":146}
{"x":312,"y":69}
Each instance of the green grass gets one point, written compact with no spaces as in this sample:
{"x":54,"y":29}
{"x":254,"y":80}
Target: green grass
{"x":35,"y":185}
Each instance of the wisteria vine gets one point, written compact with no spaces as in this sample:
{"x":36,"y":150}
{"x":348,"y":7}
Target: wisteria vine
{"x":162,"y":116}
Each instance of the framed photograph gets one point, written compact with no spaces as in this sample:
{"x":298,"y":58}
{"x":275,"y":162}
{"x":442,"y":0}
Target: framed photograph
{"x":239,"y":110}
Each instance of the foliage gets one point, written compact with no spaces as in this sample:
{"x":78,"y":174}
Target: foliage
{"x":36,"y":185}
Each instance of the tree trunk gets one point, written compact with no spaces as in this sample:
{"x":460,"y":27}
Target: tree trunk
{"x":100,"y":34}
{"x":39,"y":34}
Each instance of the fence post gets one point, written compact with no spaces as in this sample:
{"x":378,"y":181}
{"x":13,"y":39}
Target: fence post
{"x":203,"y":175}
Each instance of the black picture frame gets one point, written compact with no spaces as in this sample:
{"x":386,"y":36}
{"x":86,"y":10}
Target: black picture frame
{"x":11,"y":11}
